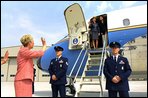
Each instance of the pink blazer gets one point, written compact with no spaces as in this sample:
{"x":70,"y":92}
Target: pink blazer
{"x":25,"y":63}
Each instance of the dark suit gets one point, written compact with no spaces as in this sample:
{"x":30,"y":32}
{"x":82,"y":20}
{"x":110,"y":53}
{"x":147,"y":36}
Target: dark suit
{"x":120,"y":68}
{"x":95,"y":30}
{"x":58,"y":67}
{"x":103,"y":27}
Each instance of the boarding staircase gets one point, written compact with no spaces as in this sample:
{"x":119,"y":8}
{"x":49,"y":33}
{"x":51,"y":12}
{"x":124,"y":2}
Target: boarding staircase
{"x":92,"y":74}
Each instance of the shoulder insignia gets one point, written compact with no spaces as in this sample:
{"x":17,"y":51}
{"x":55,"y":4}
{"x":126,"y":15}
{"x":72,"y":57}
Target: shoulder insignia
{"x":67,"y":63}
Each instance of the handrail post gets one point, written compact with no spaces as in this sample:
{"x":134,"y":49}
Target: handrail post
{"x":80,"y":65}
{"x":77,"y":60}
{"x":102,"y":56}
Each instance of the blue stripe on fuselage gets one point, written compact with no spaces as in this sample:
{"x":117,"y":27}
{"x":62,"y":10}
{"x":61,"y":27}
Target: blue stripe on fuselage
{"x":124,"y":36}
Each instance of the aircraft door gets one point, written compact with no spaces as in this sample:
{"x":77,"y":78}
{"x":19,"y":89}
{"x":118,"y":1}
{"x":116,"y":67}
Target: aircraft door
{"x":76,"y":26}
{"x":101,"y":20}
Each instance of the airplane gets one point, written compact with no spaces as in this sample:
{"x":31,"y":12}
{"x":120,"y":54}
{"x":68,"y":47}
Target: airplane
{"x":123,"y":26}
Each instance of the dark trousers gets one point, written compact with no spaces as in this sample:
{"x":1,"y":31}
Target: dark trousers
{"x":32,"y":87}
{"x":60,"y":88}
{"x":112,"y":93}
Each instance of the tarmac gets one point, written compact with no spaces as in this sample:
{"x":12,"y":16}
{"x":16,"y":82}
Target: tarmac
{"x":43,"y":89}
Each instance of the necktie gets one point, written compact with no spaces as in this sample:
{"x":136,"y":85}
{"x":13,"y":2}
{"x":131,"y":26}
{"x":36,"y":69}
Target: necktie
{"x":115,"y":58}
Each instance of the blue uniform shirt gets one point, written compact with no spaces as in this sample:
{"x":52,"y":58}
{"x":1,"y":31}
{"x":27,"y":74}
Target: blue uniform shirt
{"x":58,"y":67}
{"x":120,"y":68}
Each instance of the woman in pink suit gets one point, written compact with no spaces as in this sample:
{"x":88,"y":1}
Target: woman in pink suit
{"x":24,"y":75}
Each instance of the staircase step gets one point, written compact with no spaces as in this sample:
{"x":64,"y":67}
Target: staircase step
{"x":93,"y":65}
{"x":91,"y":77}
{"x":90,"y":83}
{"x":91,"y":73}
{"x":96,"y":48}
{"x":95,"y":51}
{"x":95,"y":58}
{"x":89,"y":92}
{"x":91,"y":70}
{"x":98,"y":55}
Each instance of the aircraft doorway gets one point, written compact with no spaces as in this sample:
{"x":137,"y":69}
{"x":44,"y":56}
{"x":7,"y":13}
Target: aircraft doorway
{"x":98,"y":31}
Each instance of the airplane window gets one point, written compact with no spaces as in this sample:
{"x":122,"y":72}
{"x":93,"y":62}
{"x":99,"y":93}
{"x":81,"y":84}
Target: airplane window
{"x":126,"y":22}
{"x":2,"y":75}
{"x":12,"y":75}
{"x":45,"y":75}
{"x":144,"y":36}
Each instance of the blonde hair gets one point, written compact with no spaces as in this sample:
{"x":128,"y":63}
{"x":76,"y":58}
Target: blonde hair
{"x":26,"y":39}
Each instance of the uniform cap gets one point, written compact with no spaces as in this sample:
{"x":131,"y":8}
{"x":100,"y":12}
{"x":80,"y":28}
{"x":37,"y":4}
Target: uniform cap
{"x":58,"y":48}
{"x":114,"y":45}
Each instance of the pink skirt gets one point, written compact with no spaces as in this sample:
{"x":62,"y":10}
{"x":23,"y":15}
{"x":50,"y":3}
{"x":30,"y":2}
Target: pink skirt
{"x":23,"y":88}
